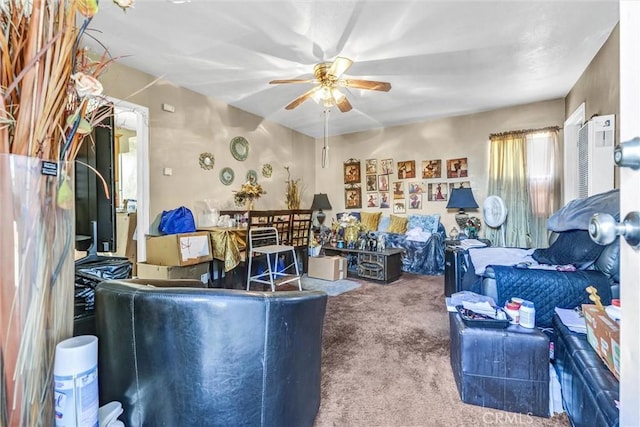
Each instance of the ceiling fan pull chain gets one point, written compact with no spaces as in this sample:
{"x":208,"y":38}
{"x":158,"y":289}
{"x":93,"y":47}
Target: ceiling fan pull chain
{"x":325,"y":148}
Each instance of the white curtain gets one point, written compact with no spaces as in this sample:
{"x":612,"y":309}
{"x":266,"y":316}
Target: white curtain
{"x":542,"y":171}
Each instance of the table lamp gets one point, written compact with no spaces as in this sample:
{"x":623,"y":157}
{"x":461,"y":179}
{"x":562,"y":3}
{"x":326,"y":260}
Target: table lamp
{"x":320,"y":202}
{"x":462,"y":198}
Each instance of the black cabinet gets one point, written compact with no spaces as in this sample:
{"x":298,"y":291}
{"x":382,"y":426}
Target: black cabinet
{"x":385,"y":266}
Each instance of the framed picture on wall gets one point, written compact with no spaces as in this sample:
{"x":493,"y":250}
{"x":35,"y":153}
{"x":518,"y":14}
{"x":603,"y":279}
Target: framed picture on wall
{"x":386,"y":166}
{"x":384,"y":200}
{"x":383,"y":183}
{"x":352,"y":171}
{"x":417,"y":187}
{"x":461,"y":184}
{"x":398,"y":190}
{"x":371,"y":166}
{"x":407,"y":169}
{"x":372,"y":182}
{"x":457,"y":168}
{"x":399,"y":207}
{"x":415,"y":201}
{"x":437,"y":192}
{"x":372,"y":200}
{"x":353,"y":197}
{"x":431,"y":169}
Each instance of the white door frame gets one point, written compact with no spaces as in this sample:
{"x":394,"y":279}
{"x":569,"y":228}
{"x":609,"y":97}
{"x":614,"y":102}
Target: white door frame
{"x":629,"y":201}
{"x":570,"y":158}
{"x":142,"y":144}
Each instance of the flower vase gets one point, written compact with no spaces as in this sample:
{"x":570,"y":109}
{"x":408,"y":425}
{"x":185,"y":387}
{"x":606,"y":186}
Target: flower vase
{"x":37,"y":225}
{"x":351,"y":235}
{"x":249,"y":205}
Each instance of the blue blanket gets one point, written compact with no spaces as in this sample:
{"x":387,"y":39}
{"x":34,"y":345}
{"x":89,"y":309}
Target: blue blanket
{"x":419,"y":257}
{"x":548,"y":289}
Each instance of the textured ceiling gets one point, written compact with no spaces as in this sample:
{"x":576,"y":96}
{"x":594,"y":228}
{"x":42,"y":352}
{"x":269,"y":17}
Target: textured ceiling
{"x":442,"y":58}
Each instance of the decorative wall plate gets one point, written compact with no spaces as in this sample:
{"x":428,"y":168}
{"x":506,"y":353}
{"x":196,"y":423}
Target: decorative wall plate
{"x":207,"y":160}
{"x":267,"y":170}
{"x":239,"y":148}
{"x":226,"y":176}
{"x":252,"y":176}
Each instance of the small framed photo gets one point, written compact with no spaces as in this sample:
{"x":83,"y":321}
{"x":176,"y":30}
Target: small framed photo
{"x":437,"y":192}
{"x":407,"y":169}
{"x":383,"y":183}
{"x":371,"y":166}
{"x":384,"y":200}
{"x":372,"y":182}
{"x":457,"y":168}
{"x":386,"y":167}
{"x":399,"y":207}
{"x":461,"y":184}
{"x":398,"y":190}
{"x":372,"y":200}
{"x":417,"y":187}
{"x":431,"y":169}
{"x":415,"y":201}
{"x":353,"y":197}
{"x":352,"y":171}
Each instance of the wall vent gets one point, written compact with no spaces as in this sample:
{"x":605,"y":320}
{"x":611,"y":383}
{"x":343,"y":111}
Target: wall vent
{"x":595,"y":156}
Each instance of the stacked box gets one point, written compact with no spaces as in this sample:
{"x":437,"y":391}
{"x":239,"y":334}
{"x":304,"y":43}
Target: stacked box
{"x":179,"y":249}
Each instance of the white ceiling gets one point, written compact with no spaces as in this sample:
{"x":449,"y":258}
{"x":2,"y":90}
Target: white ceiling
{"x":442,"y":58}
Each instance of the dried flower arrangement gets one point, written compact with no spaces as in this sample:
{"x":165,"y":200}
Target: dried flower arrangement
{"x":49,"y":99}
{"x":249,"y":192}
{"x":293,"y":190}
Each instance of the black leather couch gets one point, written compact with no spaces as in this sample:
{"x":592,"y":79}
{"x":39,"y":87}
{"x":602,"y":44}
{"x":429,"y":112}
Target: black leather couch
{"x":182,"y":356}
{"x":589,"y":389}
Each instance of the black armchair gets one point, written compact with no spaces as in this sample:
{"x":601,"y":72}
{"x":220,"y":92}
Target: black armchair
{"x":216,"y":357}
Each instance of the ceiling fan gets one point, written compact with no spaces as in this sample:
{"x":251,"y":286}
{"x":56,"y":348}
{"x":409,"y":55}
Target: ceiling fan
{"x":328,"y":76}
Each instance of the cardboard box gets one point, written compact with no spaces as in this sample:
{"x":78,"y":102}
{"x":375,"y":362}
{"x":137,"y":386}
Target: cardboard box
{"x":328,"y":267}
{"x":604,"y":336}
{"x":179,"y":249}
{"x":197,"y":272}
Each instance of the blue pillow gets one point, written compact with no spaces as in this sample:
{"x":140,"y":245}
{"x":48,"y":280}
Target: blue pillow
{"x":383,"y":225}
{"x":571,"y":247}
{"x":356,"y":214}
{"x":427,"y":223}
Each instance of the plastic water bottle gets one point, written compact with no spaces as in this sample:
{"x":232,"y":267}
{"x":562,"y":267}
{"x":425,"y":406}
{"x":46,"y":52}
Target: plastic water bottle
{"x":527,"y":315}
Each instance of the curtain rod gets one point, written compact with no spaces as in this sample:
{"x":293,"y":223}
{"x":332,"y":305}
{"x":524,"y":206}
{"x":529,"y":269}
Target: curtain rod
{"x":514,"y":132}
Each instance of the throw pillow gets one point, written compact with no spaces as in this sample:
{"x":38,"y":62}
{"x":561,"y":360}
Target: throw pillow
{"x":428,"y":223}
{"x":397,"y":224}
{"x":384,"y":223}
{"x":571,"y":247}
{"x":356,"y":214}
{"x":370,"y":220}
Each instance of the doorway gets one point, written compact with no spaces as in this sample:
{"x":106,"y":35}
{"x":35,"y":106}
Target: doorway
{"x":132,"y":166}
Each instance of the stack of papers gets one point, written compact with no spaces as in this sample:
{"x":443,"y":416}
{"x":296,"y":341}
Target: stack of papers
{"x":471,"y":243}
{"x":572,"y":320}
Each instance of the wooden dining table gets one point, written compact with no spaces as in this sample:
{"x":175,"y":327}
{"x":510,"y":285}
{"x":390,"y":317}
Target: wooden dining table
{"x":227,"y":244}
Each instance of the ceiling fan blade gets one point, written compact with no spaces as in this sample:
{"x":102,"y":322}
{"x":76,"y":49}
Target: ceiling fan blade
{"x":344,"y":105}
{"x":299,"y":100}
{"x":366,"y":84}
{"x":275,"y":82}
{"x":339,"y":66}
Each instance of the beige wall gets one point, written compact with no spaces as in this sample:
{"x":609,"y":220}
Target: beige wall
{"x":599,"y":85}
{"x":202,"y":124}
{"x":448,"y":138}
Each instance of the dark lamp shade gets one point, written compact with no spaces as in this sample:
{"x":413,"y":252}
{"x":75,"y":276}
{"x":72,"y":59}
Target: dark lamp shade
{"x":462,"y":198}
{"x":320,"y":202}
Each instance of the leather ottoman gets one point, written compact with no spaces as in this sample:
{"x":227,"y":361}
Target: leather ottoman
{"x":504,"y":369}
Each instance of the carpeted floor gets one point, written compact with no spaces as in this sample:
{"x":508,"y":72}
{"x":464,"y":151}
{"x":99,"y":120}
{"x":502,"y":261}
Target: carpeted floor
{"x":386,"y":361}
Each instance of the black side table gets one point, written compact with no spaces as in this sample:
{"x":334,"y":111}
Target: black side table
{"x":455,"y":265}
